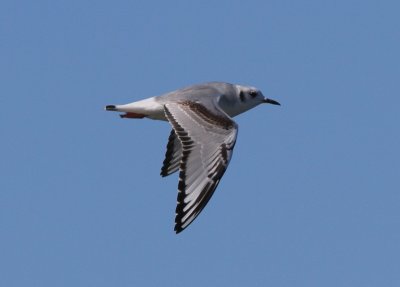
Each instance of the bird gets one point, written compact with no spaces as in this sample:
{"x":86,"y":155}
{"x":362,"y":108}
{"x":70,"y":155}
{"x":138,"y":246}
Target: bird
{"x":202,"y":138}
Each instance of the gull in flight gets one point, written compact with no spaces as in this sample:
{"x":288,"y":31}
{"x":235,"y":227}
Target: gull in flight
{"x":202,"y":138}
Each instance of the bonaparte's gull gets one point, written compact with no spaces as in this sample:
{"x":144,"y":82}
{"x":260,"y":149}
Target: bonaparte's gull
{"x":202,"y":138}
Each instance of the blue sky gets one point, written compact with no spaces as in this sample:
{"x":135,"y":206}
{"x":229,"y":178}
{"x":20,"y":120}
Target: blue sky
{"x":311,"y":197}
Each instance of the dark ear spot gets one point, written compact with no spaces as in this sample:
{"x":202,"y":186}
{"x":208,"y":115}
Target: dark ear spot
{"x":253,"y":94}
{"x":242,"y":97}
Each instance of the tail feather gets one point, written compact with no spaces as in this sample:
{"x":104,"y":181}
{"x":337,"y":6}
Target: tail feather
{"x":111,"y":108}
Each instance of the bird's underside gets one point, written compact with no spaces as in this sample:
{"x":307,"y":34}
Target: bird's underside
{"x":200,"y":145}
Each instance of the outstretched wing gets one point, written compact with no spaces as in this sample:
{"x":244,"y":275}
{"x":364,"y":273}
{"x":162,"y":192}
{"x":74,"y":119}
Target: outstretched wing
{"x":207,"y":137}
{"x":173,"y":155}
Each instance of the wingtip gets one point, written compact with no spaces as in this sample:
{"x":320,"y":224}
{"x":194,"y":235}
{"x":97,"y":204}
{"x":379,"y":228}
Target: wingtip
{"x":179,"y":225}
{"x":178,"y":230}
{"x":163,"y":171}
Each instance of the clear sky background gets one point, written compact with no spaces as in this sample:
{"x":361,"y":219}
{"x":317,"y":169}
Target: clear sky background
{"x":312,"y":194}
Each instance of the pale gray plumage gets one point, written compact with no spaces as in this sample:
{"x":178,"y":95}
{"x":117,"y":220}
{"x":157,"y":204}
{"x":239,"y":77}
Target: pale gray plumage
{"x":202,"y":139}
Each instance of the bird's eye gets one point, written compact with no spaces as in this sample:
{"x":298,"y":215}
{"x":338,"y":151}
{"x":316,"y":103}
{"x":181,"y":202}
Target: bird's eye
{"x":253,"y":94}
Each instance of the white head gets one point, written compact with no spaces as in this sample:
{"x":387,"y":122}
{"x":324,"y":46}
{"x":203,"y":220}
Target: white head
{"x":246,"y":98}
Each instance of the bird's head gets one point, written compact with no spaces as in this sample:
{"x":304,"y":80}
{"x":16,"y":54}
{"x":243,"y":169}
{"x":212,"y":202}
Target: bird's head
{"x":253,"y":96}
